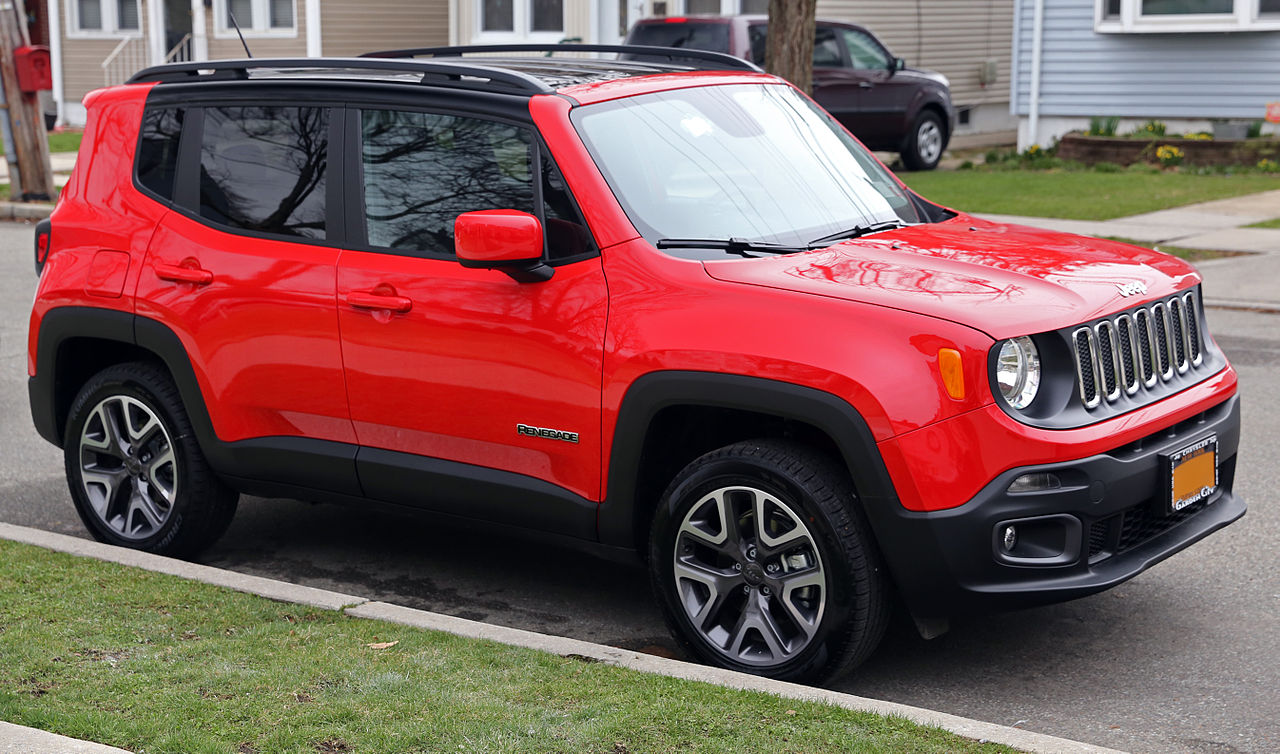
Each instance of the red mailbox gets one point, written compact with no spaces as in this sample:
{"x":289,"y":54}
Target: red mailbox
{"x":35,"y":70}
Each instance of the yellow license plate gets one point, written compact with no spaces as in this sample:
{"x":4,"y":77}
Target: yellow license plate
{"x":1193,"y":473}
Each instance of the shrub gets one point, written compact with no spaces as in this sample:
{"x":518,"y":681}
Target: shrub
{"x":1169,"y":155}
{"x":1255,"y":129}
{"x":1103,"y":126}
{"x":966,"y":165}
{"x":1198,"y":136}
{"x":1107,"y":167}
{"x":1153,"y":128}
{"x":1268,"y":166}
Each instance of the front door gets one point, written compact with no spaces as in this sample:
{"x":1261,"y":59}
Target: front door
{"x":448,"y":363}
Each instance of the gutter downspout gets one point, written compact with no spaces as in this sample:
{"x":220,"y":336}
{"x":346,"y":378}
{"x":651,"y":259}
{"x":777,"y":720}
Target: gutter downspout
{"x":1037,"y":53}
{"x":55,"y":58}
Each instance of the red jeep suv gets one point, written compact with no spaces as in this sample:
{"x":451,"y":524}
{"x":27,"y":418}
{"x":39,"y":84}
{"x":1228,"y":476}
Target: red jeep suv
{"x":648,"y":308}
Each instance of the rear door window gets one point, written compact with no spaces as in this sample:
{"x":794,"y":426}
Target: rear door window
{"x":711,"y":37}
{"x":262,"y":169}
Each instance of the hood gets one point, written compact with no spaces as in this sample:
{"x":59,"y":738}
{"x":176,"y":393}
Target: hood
{"x":1005,"y":280}
{"x":921,"y":73}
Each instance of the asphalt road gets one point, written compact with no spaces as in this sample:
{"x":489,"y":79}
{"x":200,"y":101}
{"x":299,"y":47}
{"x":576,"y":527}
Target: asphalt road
{"x":1183,"y":658}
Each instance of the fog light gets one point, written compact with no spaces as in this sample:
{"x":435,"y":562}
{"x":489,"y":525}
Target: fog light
{"x":1009,"y":539}
{"x":1037,"y":482}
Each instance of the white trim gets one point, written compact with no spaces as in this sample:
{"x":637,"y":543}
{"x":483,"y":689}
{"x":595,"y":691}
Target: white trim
{"x":313,"y":29}
{"x":1246,"y":15}
{"x":199,"y":32}
{"x":257,"y":27}
{"x":108,"y":30}
{"x":156,"y":49}
{"x":1037,"y":55}
{"x":55,"y":57}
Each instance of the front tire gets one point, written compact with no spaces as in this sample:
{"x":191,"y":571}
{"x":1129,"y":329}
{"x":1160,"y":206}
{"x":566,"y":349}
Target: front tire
{"x":134,"y":469}
{"x":762,"y":562}
{"x":925,"y":143}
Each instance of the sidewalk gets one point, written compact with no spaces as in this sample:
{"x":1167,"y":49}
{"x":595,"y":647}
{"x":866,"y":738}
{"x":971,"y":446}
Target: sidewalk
{"x":1250,"y":282}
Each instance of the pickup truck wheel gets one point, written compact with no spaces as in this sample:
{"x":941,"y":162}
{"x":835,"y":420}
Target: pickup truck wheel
{"x":762,"y":563}
{"x":135,"y":471}
{"x":925,"y":142}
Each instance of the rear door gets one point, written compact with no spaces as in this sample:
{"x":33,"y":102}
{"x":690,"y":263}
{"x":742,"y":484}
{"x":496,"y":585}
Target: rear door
{"x":458,"y":360}
{"x":243,"y":271}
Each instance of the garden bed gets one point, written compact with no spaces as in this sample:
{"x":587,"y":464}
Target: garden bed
{"x":1092,"y":150}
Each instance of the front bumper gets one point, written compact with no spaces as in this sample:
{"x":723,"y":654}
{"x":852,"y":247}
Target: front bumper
{"x":1104,"y":525}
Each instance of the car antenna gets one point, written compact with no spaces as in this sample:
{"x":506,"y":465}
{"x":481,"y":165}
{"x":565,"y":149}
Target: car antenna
{"x":239,"y":33}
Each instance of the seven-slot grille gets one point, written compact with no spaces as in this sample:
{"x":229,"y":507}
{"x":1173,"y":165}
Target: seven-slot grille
{"x":1135,"y":350}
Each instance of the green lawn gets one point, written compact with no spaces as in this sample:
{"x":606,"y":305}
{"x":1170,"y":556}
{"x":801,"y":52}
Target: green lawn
{"x":1078,"y":195}
{"x":1266,"y":224}
{"x":66,"y":141}
{"x":151,"y":662}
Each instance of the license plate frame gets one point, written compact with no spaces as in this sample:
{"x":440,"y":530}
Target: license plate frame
{"x":1188,"y":472}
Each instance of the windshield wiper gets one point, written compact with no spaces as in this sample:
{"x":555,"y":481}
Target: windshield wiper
{"x":856,"y":231}
{"x":740,"y":246}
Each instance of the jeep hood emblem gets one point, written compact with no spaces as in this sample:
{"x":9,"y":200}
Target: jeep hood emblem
{"x":1132,"y":289}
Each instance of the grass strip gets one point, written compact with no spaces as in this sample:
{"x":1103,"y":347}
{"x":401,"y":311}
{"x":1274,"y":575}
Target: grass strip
{"x":1182,"y":252}
{"x":154,"y":663}
{"x":61,"y":141}
{"x":1078,"y":195}
{"x":1266,"y":224}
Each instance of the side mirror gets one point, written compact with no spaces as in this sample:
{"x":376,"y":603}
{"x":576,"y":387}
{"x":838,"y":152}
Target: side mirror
{"x":502,"y":239}
{"x":897,"y":65}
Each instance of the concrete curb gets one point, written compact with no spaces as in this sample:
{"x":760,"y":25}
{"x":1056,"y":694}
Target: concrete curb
{"x":362,"y":608}
{"x":25,"y":211}
{"x":17,"y":739}
{"x":1268,"y":307}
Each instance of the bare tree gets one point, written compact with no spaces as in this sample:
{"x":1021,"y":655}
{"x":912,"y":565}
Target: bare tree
{"x":792,"y":24}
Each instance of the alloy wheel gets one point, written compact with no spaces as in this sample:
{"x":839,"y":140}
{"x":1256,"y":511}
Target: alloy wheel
{"x":749,"y":576}
{"x":929,"y":141}
{"x":127,"y":467}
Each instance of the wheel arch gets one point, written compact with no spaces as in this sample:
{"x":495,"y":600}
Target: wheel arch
{"x":727,"y":408}
{"x":100,"y":338}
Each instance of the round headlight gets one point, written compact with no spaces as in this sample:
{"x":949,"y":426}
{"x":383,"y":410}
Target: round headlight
{"x":1018,"y":371}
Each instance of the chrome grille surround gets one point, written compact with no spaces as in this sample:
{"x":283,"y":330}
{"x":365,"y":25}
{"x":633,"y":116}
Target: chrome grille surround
{"x":1137,"y":349}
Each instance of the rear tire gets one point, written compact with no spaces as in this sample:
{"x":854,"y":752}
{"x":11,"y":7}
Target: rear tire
{"x":135,"y":471}
{"x":926,"y":141}
{"x":763,"y":562}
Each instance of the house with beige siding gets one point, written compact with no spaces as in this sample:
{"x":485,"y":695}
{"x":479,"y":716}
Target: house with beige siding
{"x":95,"y":43}
{"x":102,"y":42}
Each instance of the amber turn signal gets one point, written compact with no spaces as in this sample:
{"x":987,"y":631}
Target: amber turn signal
{"x":952,"y":373}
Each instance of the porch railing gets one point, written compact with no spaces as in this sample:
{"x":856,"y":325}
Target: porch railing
{"x":181,"y":52}
{"x":128,"y":57}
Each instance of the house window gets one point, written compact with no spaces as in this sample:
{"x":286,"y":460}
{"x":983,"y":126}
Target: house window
{"x":104,"y":18}
{"x":1186,"y":16}
{"x":522,"y":17}
{"x":256,"y":17}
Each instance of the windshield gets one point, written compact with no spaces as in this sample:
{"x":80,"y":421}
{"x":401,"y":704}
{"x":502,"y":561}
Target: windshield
{"x":754,"y":161}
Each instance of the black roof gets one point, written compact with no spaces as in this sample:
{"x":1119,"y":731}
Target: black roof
{"x":448,"y":67}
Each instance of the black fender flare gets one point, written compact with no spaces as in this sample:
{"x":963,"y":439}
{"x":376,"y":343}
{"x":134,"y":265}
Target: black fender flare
{"x":655,"y":391}
{"x":286,"y":460}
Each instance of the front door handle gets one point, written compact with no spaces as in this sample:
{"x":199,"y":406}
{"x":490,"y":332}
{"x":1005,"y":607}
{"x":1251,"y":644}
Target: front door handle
{"x":186,"y":271}
{"x":382,"y":297}
{"x":865,"y":85}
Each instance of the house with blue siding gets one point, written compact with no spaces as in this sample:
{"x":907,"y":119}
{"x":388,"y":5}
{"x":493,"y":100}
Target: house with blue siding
{"x":1187,"y":63}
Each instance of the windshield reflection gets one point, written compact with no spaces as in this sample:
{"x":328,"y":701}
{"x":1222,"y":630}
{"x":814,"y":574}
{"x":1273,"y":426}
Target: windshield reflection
{"x":755,"y":161}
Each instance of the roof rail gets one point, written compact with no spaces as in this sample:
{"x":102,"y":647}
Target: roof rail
{"x":721,"y":59}
{"x":437,"y":73}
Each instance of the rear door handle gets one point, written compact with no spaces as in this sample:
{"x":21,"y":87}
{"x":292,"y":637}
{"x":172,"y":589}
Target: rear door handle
{"x":384,"y":301}
{"x":186,"y":271}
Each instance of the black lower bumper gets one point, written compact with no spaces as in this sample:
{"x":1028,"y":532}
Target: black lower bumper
{"x":1106,"y":523}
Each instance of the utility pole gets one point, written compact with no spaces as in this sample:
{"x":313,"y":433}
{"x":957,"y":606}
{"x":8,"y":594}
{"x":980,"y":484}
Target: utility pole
{"x":34,"y":181}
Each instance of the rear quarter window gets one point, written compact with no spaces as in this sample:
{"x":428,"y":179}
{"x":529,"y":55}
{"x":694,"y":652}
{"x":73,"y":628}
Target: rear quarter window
{"x":157,"y":160}
{"x":710,"y":37}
